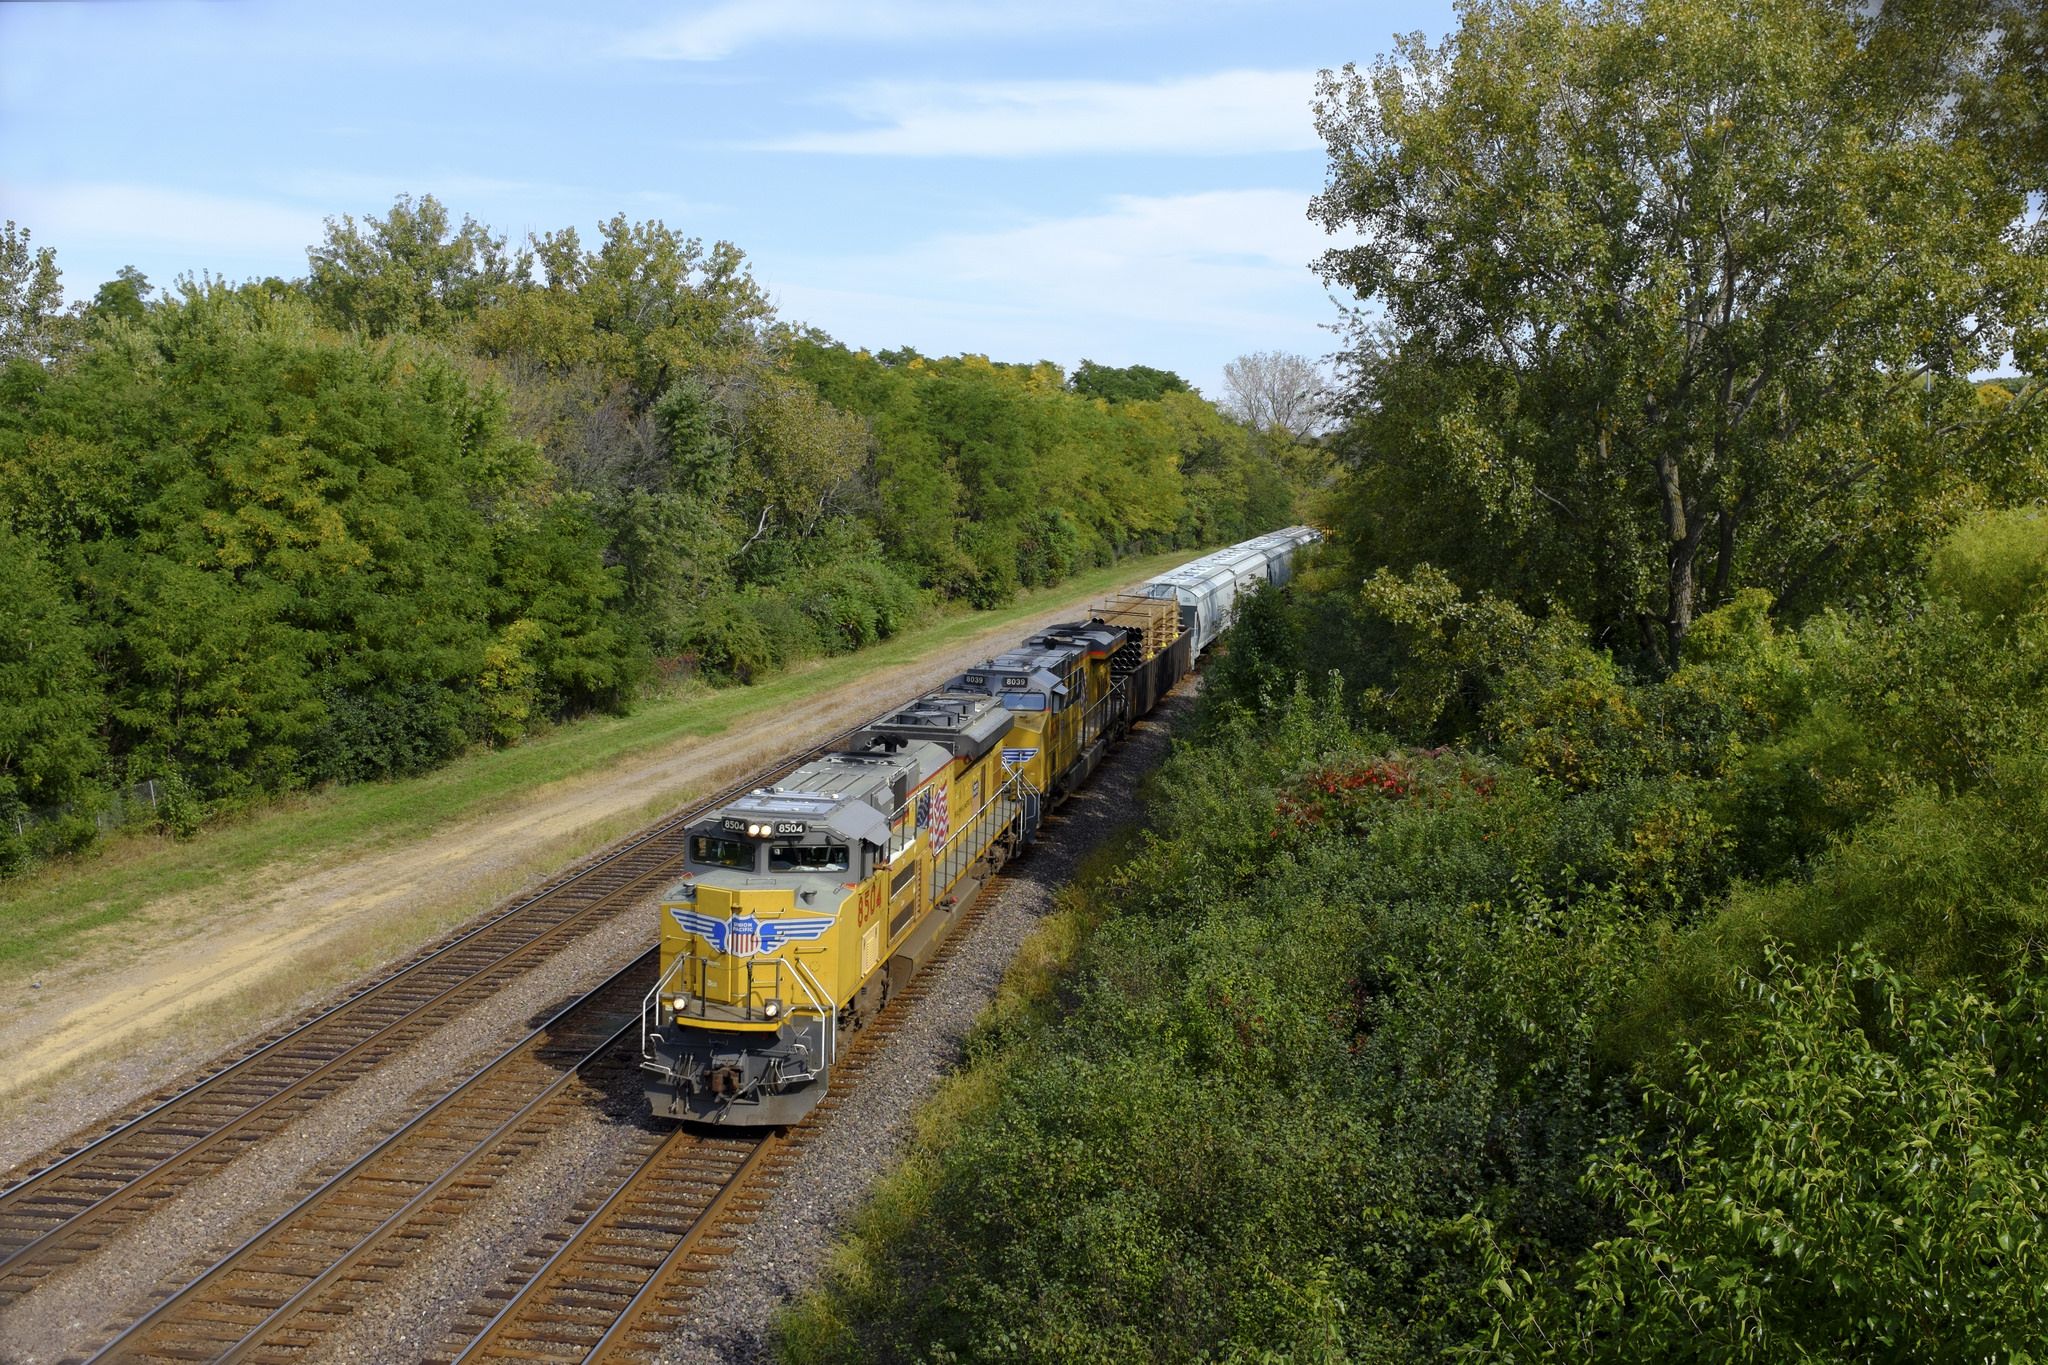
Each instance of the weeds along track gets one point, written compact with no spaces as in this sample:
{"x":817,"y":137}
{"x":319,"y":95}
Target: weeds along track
{"x":622,"y":1279}
{"x":82,"y":1197}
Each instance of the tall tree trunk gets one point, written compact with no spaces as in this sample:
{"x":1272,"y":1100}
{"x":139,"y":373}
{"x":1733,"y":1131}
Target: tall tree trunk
{"x":1730,"y":524}
{"x":1682,"y":533}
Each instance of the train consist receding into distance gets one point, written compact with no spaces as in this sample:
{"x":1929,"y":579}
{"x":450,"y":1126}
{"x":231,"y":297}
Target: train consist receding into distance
{"x":804,"y":906}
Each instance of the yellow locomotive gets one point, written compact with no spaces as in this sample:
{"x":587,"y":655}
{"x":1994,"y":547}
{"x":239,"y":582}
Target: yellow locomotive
{"x":804,"y":906}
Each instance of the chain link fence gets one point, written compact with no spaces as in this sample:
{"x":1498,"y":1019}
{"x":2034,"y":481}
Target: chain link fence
{"x":128,"y":805}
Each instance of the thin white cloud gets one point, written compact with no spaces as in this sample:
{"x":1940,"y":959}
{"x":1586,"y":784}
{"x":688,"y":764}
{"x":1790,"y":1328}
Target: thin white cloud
{"x":66,"y":213}
{"x":1185,"y":281}
{"x":723,"y":29}
{"x":1227,"y":112}
{"x":1200,"y":258}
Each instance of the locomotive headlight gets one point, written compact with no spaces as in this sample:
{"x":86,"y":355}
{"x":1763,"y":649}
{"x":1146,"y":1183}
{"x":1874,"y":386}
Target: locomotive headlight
{"x":756,"y":831}
{"x":773,"y":1009}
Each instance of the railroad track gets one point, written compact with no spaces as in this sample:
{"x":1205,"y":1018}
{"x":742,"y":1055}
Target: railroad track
{"x":650,"y":1228}
{"x":82,"y":1197}
{"x":620,"y":1282}
{"x":288,"y":1286}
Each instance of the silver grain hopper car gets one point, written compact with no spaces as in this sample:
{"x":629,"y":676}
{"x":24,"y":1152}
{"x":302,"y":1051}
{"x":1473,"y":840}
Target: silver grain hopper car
{"x":1208,"y":588}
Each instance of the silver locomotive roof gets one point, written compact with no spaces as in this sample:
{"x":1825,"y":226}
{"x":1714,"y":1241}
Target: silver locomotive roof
{"x":963,"y":721}
{"x":850,"y":795}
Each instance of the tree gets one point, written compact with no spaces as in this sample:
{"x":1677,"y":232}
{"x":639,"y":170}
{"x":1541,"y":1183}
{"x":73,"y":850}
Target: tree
{"x":1132,"y":382}
{"x":648,"y":307}
{"x":301,"y":557}
{"x":406,"y":272}
{"x":1275,"y":392}
{"x":123,"y":298}
{"x":51,"y":702}
{"x":30,"y":295}
{"x":799,"y":454}
{"x":1674,"y":297}
{"x":2009,"y":100}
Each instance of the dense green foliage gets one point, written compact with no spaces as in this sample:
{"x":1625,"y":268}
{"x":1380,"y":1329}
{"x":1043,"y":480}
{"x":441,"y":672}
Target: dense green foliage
{"x":1553,"y":1037}
{"x":1866,"y":1183}
{"x":300,"y":561}
{"x":1675,"y":298}
{"x":1599,"y":913}
{"x":990,"y":477}
{"x":442,"y":491}
{"x":1119,"y":385}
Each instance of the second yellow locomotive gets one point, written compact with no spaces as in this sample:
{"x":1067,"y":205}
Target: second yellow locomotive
{"x":804,"y":906}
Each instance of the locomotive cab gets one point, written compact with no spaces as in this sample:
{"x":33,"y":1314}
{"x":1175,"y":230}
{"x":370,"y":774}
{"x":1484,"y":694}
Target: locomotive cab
{"x":802,"y":906}
{"x":743,"y":1018}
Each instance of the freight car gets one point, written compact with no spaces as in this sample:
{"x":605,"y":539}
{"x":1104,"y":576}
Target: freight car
{"x":803,"y":907}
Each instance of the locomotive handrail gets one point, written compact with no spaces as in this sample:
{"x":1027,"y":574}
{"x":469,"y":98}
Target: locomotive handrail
{"x":652,"y":1001}
{"x":806,"y":980}
{"x":815,"y":989}
{"x":1093,"y":723}
{"x":951,"y":861}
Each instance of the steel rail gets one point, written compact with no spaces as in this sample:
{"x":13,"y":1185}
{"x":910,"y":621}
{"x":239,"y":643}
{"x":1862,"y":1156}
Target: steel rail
{"x":630,"y":1316}
{"x":495,"y":1340}
{"x":132,"y":1177}
{"x":366,"y":1048}
{"x":358,"y":997}
{"x":126,"y":1345}
{"x":658,"y":1290}
{"x":661,"y":1294}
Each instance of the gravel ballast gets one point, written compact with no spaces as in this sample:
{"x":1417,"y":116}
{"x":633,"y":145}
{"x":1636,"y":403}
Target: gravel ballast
{"x":782,"y":1254}
{"x":179,"y":1238}
{"x":776,"y":1257}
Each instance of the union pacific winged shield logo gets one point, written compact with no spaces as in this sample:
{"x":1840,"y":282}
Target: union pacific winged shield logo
{"x":748,"y":935}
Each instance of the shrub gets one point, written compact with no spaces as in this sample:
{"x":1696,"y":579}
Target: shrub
{"x":1864,"y":1180}
{"x":854,"y":603}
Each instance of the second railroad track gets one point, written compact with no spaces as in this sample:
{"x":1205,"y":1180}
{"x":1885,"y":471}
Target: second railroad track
{"x":82,"y":1196}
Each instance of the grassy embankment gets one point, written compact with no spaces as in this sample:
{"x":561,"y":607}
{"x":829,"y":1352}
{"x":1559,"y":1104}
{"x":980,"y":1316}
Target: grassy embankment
{"x":43,"y":915}
{"x":809,"y":1329}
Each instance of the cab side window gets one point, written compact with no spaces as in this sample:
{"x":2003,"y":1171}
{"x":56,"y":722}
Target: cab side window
{"x":708,"y":850}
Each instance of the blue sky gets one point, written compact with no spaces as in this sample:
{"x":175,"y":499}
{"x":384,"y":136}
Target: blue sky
{"x":1122,"y":182}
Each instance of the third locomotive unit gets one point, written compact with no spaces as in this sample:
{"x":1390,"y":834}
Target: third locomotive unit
{"x":804,"y":906}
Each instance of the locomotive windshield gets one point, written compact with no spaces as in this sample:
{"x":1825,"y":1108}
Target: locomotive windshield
{"x":712,"y":851}
{"x":1024,"y":701}
{"x":807,"y":858}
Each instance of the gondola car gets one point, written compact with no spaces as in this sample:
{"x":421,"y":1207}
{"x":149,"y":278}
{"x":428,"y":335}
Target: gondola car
{"x":803,"y":907}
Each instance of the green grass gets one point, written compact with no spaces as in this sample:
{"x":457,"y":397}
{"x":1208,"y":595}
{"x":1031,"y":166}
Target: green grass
{"x":43,"y":915}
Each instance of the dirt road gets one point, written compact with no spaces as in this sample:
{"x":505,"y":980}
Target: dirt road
{"x":192,"y":977}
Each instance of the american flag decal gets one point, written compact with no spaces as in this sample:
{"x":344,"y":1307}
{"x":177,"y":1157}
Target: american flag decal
{"x":934,"y":813}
